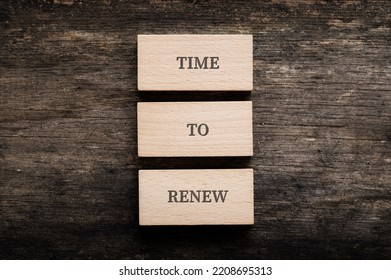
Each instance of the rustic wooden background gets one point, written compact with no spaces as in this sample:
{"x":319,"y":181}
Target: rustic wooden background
{"x":322,"y":129}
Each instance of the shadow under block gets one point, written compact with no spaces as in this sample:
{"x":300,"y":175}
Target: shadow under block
{"x":194,"y":129}
{"x":195,"y":62}
{"x":196,"y":197}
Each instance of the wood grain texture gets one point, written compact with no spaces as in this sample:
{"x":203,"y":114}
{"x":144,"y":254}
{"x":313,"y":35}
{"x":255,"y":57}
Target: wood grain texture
{"x":68,"y":129}
{"x":196,"y":197}
{"x":194,"y":129}
{"x":195,"y":62}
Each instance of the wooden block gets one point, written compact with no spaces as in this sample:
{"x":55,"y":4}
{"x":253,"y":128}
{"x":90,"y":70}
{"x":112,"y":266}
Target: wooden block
{"x":195,"y":62}
{"x":196,"y":197}
{"x":194,"y":129}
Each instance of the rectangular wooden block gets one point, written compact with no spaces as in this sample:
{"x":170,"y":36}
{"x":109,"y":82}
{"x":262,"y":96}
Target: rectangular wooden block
{"x":196,"y":197}
{"x":194,"y":129}
{"x":195,"y":62}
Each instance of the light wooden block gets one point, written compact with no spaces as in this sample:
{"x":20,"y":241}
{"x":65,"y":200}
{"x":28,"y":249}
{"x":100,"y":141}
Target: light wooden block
{"x":194,"y":129}
{"x":195,"y":62}
{"x":196,"y":197}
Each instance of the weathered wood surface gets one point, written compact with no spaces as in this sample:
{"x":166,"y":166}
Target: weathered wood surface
{"x":322,"y":129}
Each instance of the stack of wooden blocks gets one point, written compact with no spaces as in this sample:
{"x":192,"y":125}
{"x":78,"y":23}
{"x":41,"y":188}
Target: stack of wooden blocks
{"x":195,"y":129}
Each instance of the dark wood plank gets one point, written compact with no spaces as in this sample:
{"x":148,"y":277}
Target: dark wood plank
{"x":322,"y":129}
